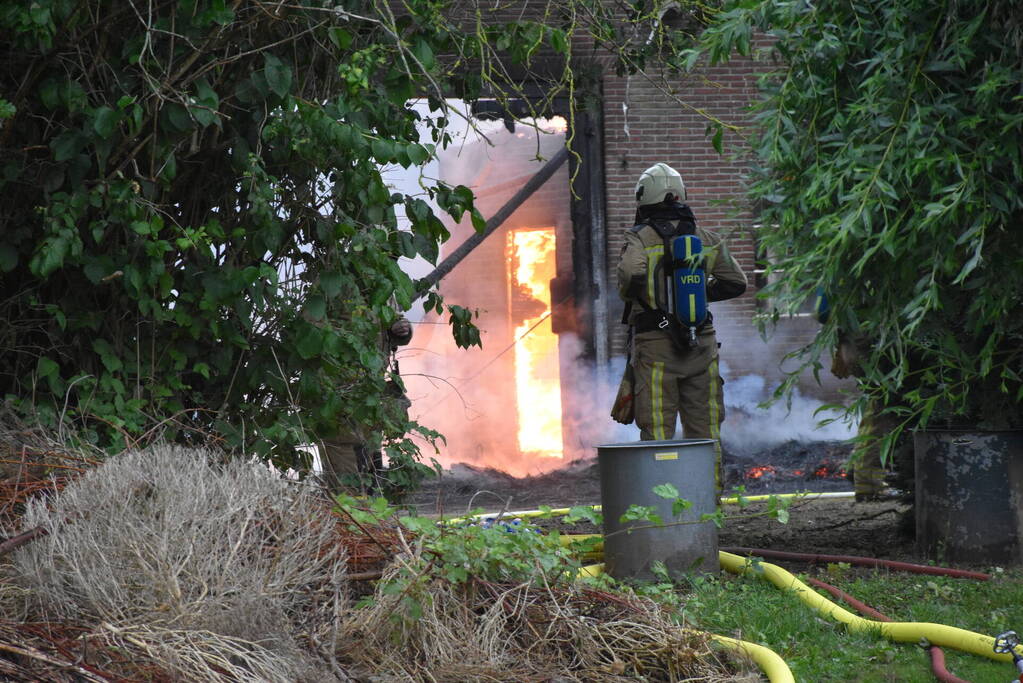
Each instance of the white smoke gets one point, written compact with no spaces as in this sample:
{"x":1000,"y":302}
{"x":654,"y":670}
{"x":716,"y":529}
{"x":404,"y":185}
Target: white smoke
{"x":751,"y":426}
{"x":587,"y":408}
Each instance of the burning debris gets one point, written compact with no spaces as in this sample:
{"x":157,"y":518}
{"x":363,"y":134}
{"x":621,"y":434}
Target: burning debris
{"x":789,"y":467}
{"x":464,"y":487}
{"x":786,"y":468}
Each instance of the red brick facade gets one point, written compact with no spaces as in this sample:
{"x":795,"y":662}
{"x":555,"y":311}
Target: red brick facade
{"x":651,"y":127}
{"x":642,"y":126}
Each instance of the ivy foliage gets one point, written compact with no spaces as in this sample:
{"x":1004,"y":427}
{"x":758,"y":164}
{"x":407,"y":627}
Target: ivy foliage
{"x":196,"y":239}
{"x":888,"y":149}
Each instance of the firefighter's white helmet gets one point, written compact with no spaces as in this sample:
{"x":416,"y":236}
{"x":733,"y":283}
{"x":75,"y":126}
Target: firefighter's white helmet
{"x":657,"y":182}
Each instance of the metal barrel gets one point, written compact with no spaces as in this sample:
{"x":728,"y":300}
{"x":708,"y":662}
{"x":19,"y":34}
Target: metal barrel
{"x":628,"y":474}
{"x":969,"y":495}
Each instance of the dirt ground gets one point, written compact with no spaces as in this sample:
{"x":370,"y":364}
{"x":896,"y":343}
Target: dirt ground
{"x":834,"y":526}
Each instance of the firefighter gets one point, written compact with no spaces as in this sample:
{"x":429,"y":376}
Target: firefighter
{"x":674,"y":377}
{"x":865,"y":465}
{"x":352,"y":451}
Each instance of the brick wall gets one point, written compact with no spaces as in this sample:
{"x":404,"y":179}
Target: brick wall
{"x":655,"y":128}
{"x":642,"y":126}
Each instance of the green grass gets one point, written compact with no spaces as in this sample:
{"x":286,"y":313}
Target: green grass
{"x":819,"y":649}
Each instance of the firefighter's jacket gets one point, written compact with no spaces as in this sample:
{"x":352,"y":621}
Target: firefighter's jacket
{"x":641,"y":270}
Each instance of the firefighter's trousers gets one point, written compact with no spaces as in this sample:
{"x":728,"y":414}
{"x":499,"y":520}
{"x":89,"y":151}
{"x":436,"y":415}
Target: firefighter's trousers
{"x":868,"y":470}
{"x":344,"y":456}
{"x":672,"y":384}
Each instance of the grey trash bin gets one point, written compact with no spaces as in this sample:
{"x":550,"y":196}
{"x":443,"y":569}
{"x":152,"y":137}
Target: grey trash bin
{"x":628,"y":474}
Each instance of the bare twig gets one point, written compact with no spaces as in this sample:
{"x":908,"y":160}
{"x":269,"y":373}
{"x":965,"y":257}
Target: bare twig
{"x":21,"y":539}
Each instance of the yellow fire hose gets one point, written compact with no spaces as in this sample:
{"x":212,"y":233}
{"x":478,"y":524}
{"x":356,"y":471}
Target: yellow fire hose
{"x":769,"y":661}
{"x":734,"y":500}
{"x":773,"y":666}
{"x":903,"y":632}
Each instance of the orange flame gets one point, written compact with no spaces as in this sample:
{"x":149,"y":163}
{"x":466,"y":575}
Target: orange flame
{"x":537,"y":380}
{"x":825,"y":471}
{"x":557,"y":124}
{"x":759,"y":471}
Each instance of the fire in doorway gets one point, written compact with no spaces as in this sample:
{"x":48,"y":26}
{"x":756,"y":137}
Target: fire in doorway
{"x":501,"y":406}
{"x":532,"y":266}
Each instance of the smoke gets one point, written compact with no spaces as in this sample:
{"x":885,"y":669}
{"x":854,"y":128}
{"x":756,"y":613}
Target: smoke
{"x":467,"y":395}
{"x":475,"y":410}
{"x":750,"y":426}
{"x":470,"y":396}
{"x":588,"y":395}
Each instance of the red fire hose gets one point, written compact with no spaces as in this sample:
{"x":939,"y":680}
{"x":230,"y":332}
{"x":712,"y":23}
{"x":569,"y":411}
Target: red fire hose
{"x":937,"y":654}
{"x":862,"y":561}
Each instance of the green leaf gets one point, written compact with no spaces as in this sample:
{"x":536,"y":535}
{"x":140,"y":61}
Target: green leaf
{"x":426,"y":247}
{"x":718,"y":140}
{"x":105,"y":122}
{"x":50,"y":256}
{"x":49,"y":95}
{"x":383,"y":150}
{"x":341,"y":38}
{"x":47,"y":368}
{"x":58,"y":315}
{"x":170,"y":167}
{"x":413,"y":608}
{"x":67,"y":145}
{"x":417,"y":154}
{"x":666,"y":490}
{"x":582,"y":512}
{"x":205,"y":111}
{"x":107,"y":355}
{"x":40,"y":14}
{"x":641,"y":513}
{"x":310,"y":343}
{"x":176,"y":117}
{"x":419,"y":525}
{"x":406,"y":244}
{"x":330,"y":283}
{"x":278,"y":75}
{"x":221,"y":13}
{"x":421,"y":49}
{"x":680,"y":505}
{"x":316,"y":307}
{"x":559,"y":41}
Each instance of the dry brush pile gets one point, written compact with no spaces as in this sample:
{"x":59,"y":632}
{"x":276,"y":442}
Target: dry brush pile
{"x":178,"y":565}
